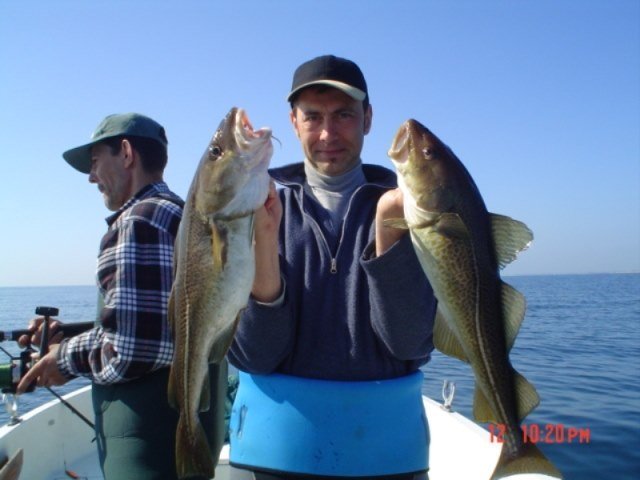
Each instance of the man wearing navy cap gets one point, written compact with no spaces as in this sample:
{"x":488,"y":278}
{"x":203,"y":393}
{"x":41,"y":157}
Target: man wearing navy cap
{"x":341,"y":314}
{"x":128,"y":353}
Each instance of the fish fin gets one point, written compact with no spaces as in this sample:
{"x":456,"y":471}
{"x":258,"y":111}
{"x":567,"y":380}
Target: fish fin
{"x":171,"y":390}
{"x":526,"y":396}
{"x":10,"y":468}
{"x":528,"y":459}
{"x":426,"y":219}
{"x":510,"y":237}
{"x":193,"y":457}
{"x":205,"y":394}
{"x":445,"y":340}
{"x":215,"y":421}
{"x":172,"y":384}
{"x":400,"y":223}
{"x":514,"y":306}
{"x":451,"y":225}
{"x":170,"y":311}
{"x":219,"y":243}
{"x":224,"y":341}
{"x":526,"y":400}
{"x":482,"y":411}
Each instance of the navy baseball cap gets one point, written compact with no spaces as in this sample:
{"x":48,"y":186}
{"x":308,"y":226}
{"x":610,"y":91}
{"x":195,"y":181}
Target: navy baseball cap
{"x":127,"y":124}
{"x":333,"y":71}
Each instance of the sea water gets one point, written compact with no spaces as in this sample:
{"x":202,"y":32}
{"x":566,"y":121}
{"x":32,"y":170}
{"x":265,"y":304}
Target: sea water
{"x":17,"y":307}
{"x":579,"y":346}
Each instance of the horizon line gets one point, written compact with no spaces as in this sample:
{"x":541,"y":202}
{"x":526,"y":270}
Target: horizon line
{"x":502,"y":276}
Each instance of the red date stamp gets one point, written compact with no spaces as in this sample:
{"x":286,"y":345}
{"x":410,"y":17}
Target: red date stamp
{"x":542,"y":433}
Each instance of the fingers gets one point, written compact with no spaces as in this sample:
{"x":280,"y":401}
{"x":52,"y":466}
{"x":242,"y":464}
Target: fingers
{"x":268,"y":217}
{"x":24,"y":341}
{"x":275,"y":207}
{"x":44,"y":372}
{"x":32,"y":375}
{"x":35,"y":327}
{"x":390,"y":206}
{"x":56,"y":338}
{"x":272,"y":203}
{"x":272,"y":189}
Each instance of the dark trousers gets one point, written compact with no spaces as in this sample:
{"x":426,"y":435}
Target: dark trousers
{"x":136,"y":427}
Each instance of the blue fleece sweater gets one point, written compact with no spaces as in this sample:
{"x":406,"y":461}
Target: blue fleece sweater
{"x":346,"y":314}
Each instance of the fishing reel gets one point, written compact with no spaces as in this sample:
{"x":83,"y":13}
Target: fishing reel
{"x":12,"y":372}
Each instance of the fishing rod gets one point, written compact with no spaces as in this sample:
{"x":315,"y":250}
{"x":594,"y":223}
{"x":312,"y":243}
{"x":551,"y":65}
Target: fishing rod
{"x":72,"y":408}
{"x":12,"y":372}
{"x":67,"y":329}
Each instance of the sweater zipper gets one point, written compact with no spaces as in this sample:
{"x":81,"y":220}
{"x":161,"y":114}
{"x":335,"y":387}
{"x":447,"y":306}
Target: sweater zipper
{"x":333,"y":268}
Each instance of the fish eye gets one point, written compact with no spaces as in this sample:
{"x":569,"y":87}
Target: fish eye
{"x":215,"y":151}
{"x":426,"y":152}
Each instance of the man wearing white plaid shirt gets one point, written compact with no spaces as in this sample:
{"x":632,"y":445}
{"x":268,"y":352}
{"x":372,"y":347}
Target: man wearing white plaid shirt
{"x":128,"y":353}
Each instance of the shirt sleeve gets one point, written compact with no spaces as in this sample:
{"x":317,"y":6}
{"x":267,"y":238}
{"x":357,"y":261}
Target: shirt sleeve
{"x":135,"y":272}
{"x":403,"y":305}
{"x":261,"y":325}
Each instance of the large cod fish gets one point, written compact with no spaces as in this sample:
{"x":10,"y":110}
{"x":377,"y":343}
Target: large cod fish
{"x":214,"y":272}
{"x":461,"y":248}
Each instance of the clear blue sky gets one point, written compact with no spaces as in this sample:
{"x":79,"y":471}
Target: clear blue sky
{"x":540,"y":100}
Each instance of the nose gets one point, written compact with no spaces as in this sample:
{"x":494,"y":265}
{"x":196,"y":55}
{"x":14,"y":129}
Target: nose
{"x":328,"y":129}
{"x":92,"y":176}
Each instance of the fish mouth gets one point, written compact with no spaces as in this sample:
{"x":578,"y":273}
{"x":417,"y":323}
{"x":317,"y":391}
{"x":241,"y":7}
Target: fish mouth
{"x":399,"y":151}
{"x":245,"y":136}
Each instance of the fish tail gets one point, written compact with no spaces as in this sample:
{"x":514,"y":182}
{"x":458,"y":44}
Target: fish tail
{"x":171,"y":389}
{"x":193,"y":456}
{"x":528,"y":460}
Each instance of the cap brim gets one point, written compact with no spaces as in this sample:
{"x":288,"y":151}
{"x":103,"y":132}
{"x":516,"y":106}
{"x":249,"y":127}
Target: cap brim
{"x":79,"y":157}
{"x":353,"y":92}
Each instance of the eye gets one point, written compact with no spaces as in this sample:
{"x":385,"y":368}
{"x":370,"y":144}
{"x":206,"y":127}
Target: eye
{"x":214,"y":151}
{"x":426,"y":152}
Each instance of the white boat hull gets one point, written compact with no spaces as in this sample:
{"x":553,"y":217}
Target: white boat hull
{"x":55,"y":441}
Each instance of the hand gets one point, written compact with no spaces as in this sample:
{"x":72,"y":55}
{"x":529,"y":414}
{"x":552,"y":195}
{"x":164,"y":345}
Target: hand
{"x":267,"y":283}
{"x":267,"y":218}
{"x":35,"y":326}
{"x":390,"y":205}
{"x":45,"y":372}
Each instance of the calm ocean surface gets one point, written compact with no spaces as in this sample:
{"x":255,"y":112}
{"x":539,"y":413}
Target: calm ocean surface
{"x":579,"y":345}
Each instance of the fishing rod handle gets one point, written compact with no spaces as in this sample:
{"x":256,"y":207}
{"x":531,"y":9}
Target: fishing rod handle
{"x":67,"y":329}
{"x":44,"y":338}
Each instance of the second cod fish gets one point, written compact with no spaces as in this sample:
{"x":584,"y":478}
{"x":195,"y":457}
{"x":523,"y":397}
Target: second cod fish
{"x":461,"y":248}
{"x":214,"y":271}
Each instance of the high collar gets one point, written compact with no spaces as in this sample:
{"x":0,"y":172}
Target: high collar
{"x":150,"y":190}
{"x":346,"y":182}
{"x":293,"y":174}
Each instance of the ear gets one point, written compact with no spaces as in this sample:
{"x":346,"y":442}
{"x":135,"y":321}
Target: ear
{"x":127,"y":152}
{"x":368,"y":117}
{"x":294,"y":121}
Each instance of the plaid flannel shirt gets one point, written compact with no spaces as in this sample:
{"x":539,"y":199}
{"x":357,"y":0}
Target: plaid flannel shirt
{"x":134,"y":275}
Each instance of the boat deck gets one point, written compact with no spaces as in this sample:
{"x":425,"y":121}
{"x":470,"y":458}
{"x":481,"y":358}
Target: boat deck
{"x":64,"y":446}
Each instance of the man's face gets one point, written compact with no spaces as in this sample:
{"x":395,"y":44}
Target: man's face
{"x":331,"y":127}
{"x":109,"y":173}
